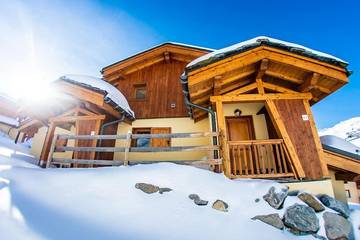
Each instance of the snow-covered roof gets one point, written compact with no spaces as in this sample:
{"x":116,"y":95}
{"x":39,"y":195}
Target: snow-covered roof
{"x":111,"y":94}
{"x":9,"y":121}
{"x":263,"y":40}
{"x":341,"y":146}
{"x":157,"y":46}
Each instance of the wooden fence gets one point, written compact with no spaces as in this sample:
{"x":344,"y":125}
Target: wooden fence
{"x":260,"y":159}
{"x":127,"y":148}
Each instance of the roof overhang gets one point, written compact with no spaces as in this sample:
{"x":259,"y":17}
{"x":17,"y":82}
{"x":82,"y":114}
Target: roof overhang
{"x":280,"y":70}
{"x":163,"y":52}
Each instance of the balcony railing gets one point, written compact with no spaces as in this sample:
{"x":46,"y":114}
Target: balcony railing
{"x":259,"y":159}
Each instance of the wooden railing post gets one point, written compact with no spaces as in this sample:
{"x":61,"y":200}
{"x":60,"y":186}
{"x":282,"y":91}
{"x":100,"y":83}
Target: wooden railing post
{"x":127,"y":148}
{"x":52,"y":149}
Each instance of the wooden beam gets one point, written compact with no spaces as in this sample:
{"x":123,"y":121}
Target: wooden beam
{"x":81,"y":93}
{"x":317,"y":141}
{"x":260,"y":97}
{"x":264,"y":64}
{"x":262,"y":69}
{"x":76,"y":118}
{"x":277,"y":88}
{"x":260,"y":86}
{"x":284,"y":77}
{"x":309,"y":82}
{"x":217,"y":85}
{"x":280,"y":128}
{"x":234,"y":86}
{"x":237,"y":77}
{"x":223,"y":137}
{"x":342,"y":162}
{"x":245,"y":89}
{"x":167,"y":57}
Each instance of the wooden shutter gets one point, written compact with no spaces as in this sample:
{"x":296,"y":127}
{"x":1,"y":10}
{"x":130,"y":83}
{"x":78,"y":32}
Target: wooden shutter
{"x":160,"y":142}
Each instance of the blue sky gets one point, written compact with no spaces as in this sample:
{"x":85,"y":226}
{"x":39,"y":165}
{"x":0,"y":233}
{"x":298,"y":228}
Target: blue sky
{"x":59,"y":37}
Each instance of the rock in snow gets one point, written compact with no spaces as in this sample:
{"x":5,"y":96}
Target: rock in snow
{"x":293,"y":193}
{"x":197,"y":200}
{"x":301,"y":219}
{"x":335,"y":205}
{"x":276,"y":200}
{"x":220,"y":206}
{"x":162,"y":190}
{"x":147,"y":188}
{"x":271,"y":219}
{"x":194,"y":196}
{"x":311,"y":201}
{"x":337,"y":227}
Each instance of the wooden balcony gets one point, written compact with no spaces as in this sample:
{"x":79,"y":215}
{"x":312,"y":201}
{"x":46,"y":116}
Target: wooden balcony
{"x":259,"y":159}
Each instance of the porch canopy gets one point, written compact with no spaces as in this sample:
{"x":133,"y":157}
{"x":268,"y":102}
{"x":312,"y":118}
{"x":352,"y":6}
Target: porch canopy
{"x":287,"y":78}
{"x":283,"y":67}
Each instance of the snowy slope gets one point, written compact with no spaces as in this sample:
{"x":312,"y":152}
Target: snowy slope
{"x":342,"y":128}
{"x":103,"y":204}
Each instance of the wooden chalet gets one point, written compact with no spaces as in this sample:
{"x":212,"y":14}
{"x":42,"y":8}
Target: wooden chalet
{"x":82,"y":106}
{"x":244,"y":109}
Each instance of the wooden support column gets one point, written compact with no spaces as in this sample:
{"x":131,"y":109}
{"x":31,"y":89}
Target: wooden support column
{"x":262,"y":69}
{"x":280,"y":128}
{"x":223,"y":137}
{"x":47,"y":143}
{"x":316,"y":139}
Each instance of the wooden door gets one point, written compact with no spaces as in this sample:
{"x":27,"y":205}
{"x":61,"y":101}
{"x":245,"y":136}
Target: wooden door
{"x":240,"y":128}
{"x":160,"y":142}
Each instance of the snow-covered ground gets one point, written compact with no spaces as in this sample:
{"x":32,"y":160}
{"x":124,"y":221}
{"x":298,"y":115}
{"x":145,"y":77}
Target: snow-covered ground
{"x":103,"y":203}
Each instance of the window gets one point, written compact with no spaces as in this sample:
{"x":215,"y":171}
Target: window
{"x":140,"y":91}
{"x":154,"y":142}
{"x":141,"y":142}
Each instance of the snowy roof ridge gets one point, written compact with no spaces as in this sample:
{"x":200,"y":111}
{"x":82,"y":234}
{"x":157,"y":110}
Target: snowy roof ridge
{"x":111,"y":94}
{"x":156,"y":46}
{"x":267,"y":41}
{"x":338,"y":145}
{"x":9,"y":121}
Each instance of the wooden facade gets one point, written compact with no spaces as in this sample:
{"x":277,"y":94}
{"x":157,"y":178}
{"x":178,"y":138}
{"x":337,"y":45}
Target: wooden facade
{"x":287,"y":83}
{"x":157,"y":71}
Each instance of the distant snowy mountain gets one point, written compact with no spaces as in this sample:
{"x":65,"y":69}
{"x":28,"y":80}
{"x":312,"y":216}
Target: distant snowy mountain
{"x":341,"y":129}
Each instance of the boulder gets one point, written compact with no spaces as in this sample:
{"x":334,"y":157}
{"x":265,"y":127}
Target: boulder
{"x":147,"y":188}
{"x":337,"y":227}
{"x":201,"y":202}
{"x":311,"y":201}
{"x":293,"y":193}
{"x":220,"y":206}
{"x":257,"y":200}
{"x":301,"y":219}
{"x":274,"y":199}
{"x":197,"y":200}
{"x":194,"y":196}
{"x":162,"y":190}
{"x":335,"y":205}
{"x":271,"y":219}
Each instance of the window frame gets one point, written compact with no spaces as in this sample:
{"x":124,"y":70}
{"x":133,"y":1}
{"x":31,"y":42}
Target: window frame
{"x":149,"y":130}
{"x":138,"y":87}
